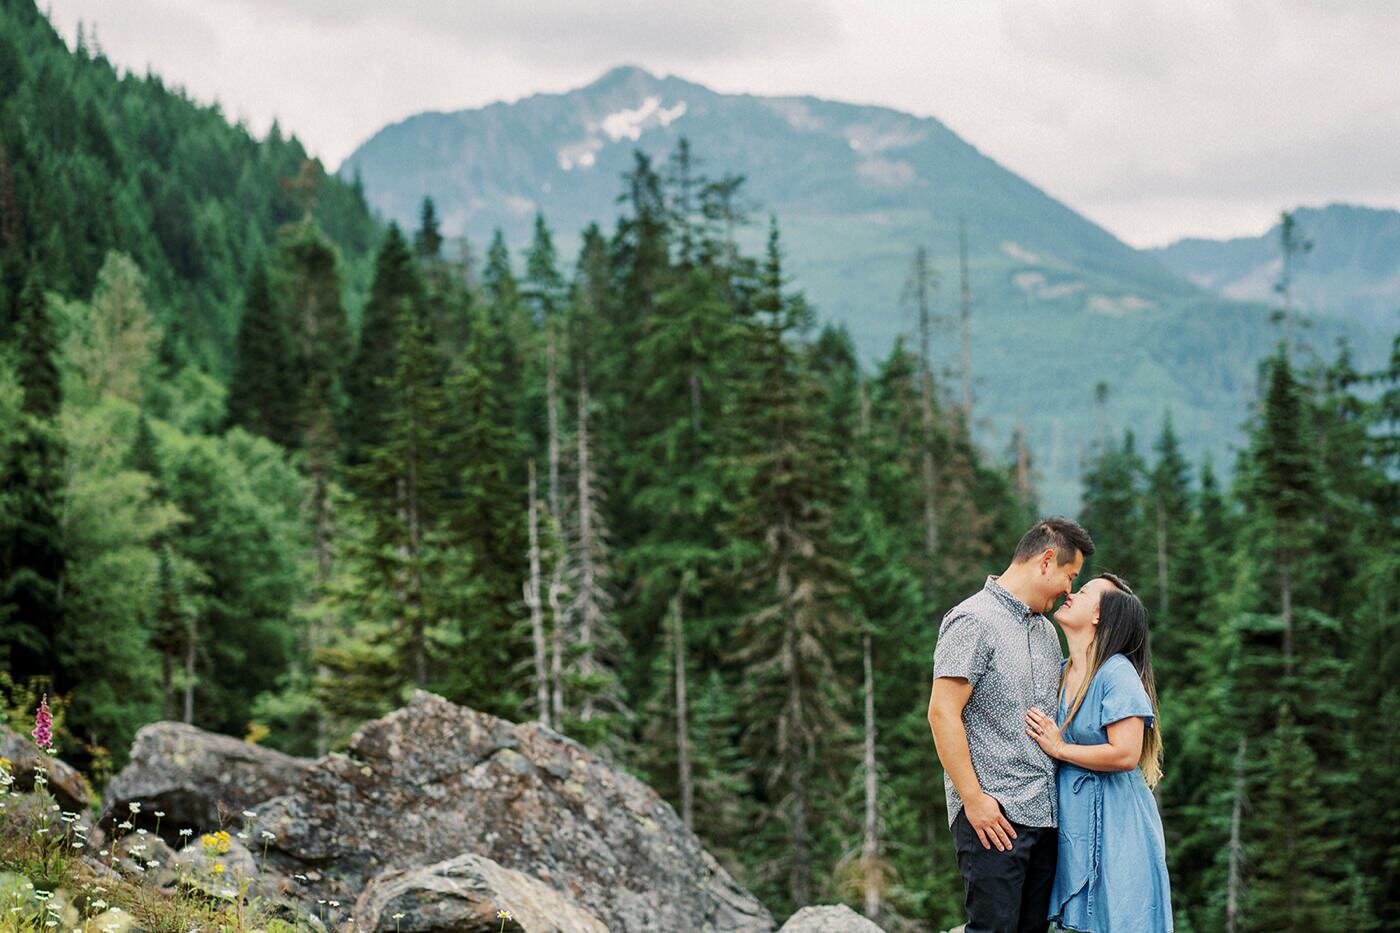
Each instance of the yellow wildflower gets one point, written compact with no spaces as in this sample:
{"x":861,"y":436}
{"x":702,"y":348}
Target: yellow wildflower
{"x":215,"y":843}
{"x":218,"y":868}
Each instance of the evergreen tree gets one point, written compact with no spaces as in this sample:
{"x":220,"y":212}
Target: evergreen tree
{"x":489,"y":525}
{"x":396,"y":292}
{"x":1280,"y":492}
{"x":1289,"y":856}
{"x":1167,"y":512}
{"x":33,"y":562}
{"x":404,"y":486}
{"x":262,"y":392}
{"x":427,"y":242}
{"x":1112,"y":511}
{"x":793,"y":714}
{"x":506,"y":335}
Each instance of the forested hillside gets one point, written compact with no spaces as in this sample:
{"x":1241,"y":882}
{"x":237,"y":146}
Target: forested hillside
{"x":93,"y":161}
{"x":635,"y":493}
{"x":132,"y":221}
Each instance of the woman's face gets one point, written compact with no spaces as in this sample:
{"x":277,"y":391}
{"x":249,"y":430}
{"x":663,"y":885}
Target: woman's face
{"x":1082,"y":609}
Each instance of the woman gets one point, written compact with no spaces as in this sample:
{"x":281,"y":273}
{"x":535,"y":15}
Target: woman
{"x":1111,"y":876}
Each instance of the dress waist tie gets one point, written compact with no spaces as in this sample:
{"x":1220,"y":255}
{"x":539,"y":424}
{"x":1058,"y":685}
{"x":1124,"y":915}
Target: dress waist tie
{"x":1096,"y":834}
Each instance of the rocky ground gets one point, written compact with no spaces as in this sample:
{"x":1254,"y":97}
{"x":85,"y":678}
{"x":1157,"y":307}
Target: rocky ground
{"x":436,"y":818}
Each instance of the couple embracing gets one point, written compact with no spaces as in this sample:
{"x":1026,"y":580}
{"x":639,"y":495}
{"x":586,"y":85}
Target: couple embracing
{"x":1049,"y":761}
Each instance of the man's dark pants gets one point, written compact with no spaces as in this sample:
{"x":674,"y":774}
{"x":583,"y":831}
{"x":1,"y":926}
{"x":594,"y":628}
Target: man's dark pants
{"x":1007,"y":892}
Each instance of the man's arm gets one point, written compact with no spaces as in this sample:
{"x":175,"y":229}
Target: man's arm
{"x":945,"y":709}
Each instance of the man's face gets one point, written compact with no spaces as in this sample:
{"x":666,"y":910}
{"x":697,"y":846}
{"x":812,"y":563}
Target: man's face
{"x":1058,"y":579}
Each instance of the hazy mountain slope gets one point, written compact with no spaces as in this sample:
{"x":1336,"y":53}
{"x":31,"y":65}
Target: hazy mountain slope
{"x":563,"y":153}
{"x":1352,"y":270}
{"x":1059,"y":303}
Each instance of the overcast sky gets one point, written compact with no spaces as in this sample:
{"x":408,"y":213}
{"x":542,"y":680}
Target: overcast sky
{"x":1156,"y":118}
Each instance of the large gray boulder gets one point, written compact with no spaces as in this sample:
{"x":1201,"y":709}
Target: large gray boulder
{"x":466,"y":895}
{"x":68,"y":787}
{"x":828,"y":919}
{"x":434,"y":781}
{"x":199,"y":780}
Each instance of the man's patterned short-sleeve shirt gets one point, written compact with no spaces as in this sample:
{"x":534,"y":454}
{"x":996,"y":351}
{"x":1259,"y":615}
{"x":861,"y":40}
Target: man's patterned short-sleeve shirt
{"x":1011,"y":656}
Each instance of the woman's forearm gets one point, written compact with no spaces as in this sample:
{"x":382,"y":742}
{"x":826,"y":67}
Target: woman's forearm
{"x":1104,"y":757}
{"x":1120,"y":753}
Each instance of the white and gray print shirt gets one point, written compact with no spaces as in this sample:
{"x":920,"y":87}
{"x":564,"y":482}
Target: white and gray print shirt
{"x":1011,"y":656}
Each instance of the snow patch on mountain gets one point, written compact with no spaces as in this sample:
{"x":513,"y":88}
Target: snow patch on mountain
{"x":1120,"y":306}
{"x":1020,"y":253}
{"x":797,"y":114}
{"x":581,"y":154}
{"x":628,"y":124}
{"x":887,"y":173}
{"x":868,"y":139}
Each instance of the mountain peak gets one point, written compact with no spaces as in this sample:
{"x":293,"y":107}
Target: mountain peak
{"x":621,"y":75}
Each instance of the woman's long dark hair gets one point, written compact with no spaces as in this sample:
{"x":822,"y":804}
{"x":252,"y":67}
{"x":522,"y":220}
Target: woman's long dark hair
{"x":1123,"y":630}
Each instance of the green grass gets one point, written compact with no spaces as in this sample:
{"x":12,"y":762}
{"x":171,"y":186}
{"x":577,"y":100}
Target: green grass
{"x":46,"y":884}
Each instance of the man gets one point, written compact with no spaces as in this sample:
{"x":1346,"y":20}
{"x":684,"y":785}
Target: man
{"x":997,"y":656}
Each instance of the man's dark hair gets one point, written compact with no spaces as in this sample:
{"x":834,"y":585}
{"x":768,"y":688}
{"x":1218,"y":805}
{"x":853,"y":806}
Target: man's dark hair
{"x":1064,"y":535}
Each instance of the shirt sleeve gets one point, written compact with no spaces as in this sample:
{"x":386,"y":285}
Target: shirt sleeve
{"x":962,"y":649}
{"x":1123,"y":693}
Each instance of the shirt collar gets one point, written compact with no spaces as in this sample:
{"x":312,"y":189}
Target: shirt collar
{"x":1004,"y":596}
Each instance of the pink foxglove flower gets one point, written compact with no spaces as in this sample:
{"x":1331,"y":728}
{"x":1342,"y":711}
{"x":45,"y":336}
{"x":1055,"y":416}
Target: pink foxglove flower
{"x":43,"y":725}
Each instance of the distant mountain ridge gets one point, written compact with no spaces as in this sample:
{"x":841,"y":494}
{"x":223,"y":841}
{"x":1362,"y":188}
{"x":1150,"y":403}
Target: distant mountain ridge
{"x":562,"y":154}
{"x":1059,"y":303}
{"x":1351,"y":270}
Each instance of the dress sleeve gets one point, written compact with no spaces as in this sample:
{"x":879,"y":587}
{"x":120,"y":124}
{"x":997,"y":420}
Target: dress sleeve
{"x":962,"y":649}
{"x":1123,"y":693}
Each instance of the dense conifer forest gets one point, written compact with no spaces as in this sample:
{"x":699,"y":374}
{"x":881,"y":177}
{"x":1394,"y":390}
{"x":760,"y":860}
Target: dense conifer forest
{"x":270,"y":466}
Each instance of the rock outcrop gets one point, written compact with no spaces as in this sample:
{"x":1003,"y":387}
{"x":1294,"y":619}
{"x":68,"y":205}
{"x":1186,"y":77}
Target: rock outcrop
{"x":64,"y":782}
{"x":434,"y":781}
{"x":828,"y":919}
{"x":466,"y":895}
{"x":439,"y":813}
{"x":199,"y":780}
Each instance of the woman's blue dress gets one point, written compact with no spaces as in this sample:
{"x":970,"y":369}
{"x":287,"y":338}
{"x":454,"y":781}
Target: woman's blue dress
{"x":1112,"y":870}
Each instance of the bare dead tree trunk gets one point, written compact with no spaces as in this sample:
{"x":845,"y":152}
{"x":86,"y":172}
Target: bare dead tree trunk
{"x":870,"y":851}
{"x":413,"y":585}
{"x":556,"y":639}
{"x":557,"y":610}
{"x":191,"y":647}
{"x":920,"y":285}
{"x":801,"y":873}
{"x":323,"y":523}
{"x":1232,"y":892}
{"x":592,"y":601}
{"x":588,"y":577}
{"x":684,"y":777}
{"x":552,"y":413}
{"x":167,"y":681}
{"x":532,"y":600}
{"x":966,"y":323}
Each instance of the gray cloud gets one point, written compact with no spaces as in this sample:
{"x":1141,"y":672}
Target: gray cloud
{"x":1158,"y":118}
{"x":584,"y":30}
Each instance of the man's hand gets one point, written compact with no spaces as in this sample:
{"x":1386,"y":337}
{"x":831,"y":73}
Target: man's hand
{"x":993,"y":828}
